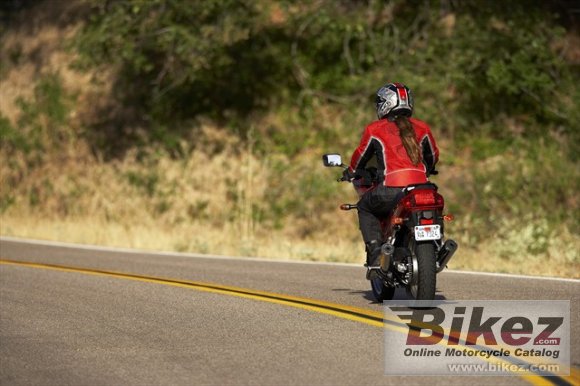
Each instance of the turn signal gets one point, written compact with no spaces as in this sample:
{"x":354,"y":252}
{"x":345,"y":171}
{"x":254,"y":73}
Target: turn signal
{"x":448,"y":217}
{"x":397,"y":220}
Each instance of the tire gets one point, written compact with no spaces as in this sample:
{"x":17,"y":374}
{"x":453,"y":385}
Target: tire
{"x":381,"y":291}
{"x":423,"y":287}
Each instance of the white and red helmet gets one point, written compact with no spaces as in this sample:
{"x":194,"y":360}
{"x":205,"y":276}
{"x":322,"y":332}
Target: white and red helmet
{"x":394,"y":99}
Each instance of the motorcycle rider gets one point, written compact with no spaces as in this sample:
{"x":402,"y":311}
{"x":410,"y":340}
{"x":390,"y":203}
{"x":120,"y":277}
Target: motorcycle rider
{"x":405,"y":152}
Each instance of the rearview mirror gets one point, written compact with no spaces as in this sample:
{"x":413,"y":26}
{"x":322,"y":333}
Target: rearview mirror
{"x":330,"y":160}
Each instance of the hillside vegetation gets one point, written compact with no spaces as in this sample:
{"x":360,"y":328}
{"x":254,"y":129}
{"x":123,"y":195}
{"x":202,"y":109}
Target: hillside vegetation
{"x":199,"y":126}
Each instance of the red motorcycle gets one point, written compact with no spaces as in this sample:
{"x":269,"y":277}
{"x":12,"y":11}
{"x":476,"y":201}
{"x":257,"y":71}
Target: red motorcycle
{"x":413,"y":249}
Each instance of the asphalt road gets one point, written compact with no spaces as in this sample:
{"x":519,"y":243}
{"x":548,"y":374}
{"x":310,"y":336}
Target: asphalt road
{"x":77,"y":328}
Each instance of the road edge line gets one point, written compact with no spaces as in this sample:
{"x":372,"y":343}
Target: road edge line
{"x":101,"y":248}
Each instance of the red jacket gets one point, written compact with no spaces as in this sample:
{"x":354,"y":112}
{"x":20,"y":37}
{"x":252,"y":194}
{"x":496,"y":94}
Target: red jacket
{"x":381,"y":139}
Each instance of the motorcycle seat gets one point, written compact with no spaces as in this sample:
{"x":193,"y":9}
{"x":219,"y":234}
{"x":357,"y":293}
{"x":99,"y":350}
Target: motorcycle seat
{"x":428,"y":185}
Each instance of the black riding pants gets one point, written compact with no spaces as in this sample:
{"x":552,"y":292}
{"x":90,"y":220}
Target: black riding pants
{"x":376,"y":203}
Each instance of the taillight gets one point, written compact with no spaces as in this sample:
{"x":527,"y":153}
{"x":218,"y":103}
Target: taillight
{"x":423,"y":198}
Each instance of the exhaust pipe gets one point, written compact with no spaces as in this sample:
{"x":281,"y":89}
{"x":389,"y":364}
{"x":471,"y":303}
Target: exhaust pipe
{"x":445,"y":254}
{"x":385,"y":258}
{"x":387,"y":251}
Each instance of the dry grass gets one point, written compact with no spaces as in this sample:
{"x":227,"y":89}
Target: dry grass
{"x":199,"y":238}
{"x":176,"y":205}
{"x":196,"y":238}
{"x":200,"y":203}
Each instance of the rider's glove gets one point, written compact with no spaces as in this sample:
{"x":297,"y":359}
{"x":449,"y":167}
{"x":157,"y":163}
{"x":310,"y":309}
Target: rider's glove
{"x":433,"y":172}
{"x":347,"y":175}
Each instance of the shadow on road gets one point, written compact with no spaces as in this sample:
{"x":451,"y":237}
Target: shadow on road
{"x":400,"y":294}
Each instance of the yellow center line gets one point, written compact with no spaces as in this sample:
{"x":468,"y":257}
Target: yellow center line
{"x":361,"y":315}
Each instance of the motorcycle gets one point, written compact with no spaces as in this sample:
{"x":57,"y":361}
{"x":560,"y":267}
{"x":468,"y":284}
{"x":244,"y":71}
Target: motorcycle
{"x":413,"y":251}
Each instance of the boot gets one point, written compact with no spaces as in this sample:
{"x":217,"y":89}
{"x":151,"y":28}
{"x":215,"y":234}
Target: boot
{"x":373,"y":259}
{"x":373,"y":253}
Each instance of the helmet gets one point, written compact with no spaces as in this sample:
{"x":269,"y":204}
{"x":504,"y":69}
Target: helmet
{"x":394,"y":99}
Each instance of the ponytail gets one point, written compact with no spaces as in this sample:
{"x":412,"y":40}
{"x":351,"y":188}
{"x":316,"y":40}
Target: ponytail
{"x":409,"y":138}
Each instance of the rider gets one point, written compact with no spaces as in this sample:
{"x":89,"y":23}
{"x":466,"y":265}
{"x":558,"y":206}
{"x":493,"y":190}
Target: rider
{"x":406,"y":153}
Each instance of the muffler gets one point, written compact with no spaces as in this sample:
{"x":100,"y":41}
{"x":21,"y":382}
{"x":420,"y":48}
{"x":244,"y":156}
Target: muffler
{"x":445,"y":254}
{"x":387,"y":251}
{"x":385,"y":258}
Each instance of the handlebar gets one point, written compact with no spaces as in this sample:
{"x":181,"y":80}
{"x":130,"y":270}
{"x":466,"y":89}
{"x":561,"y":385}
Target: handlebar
{"x":362,"y":176}
{"x":343,"y":179}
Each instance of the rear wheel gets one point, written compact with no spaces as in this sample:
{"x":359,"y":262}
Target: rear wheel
{"x":422,"y":286}
{"x":381,"y":291}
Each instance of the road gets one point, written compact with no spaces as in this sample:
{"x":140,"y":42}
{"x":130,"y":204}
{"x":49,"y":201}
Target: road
{"x":110,"y":321}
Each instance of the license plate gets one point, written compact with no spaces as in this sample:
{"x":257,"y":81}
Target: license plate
{"x":427,"y":232}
